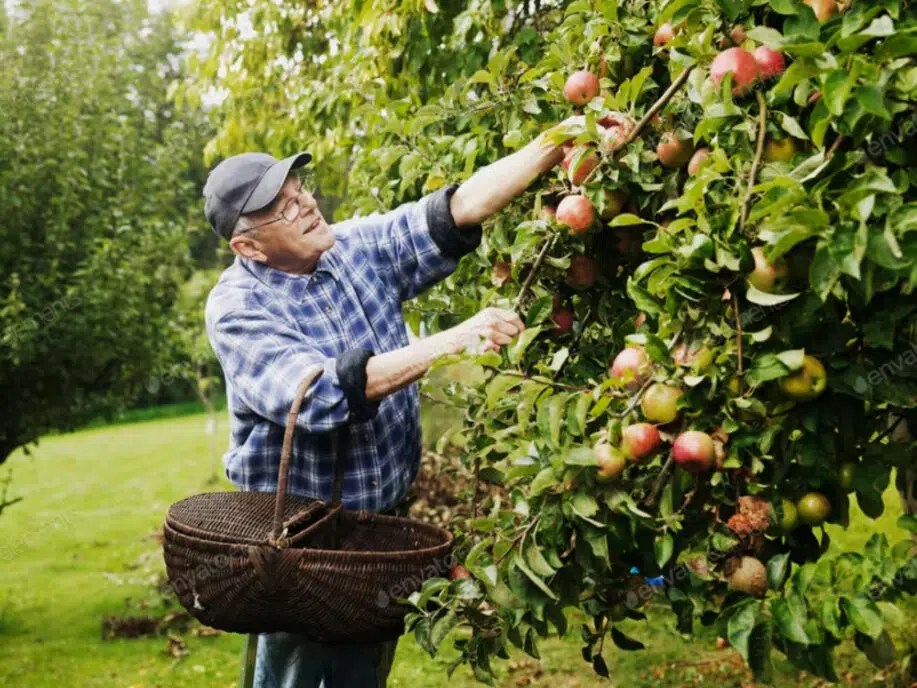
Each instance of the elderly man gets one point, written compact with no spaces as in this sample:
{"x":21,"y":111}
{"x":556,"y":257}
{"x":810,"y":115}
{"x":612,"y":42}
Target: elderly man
{"x":302,"y":294}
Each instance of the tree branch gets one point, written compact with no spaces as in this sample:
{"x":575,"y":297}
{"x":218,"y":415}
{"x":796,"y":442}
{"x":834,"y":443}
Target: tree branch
{"x":739,"y":335}
{"x":759,"y":151}
{"x":659,"y":104}
{"x":536,"y":266}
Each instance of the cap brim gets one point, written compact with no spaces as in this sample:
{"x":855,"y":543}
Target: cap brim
{"x":272,"y":182}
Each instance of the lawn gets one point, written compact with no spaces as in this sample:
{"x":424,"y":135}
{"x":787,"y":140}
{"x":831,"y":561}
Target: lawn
{"x":81,"y":545}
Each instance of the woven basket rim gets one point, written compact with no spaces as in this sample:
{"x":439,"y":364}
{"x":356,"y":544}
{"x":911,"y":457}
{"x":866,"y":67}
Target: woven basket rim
{"x":362,"y":555}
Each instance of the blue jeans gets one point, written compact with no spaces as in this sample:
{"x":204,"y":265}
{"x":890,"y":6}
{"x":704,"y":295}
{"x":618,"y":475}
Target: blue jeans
{"x":285,"y":660}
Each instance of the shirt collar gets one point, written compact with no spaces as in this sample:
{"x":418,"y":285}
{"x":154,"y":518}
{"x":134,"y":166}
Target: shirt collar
{"x":292,"y":286}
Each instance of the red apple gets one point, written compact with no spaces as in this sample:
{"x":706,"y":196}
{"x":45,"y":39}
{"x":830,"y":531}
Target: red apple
{"x":770,"y":62}
{"x":577,"y":212}
{"x":548,"y":213}
{"x":614,"y":204}
{"x":501,"y":273}
{"x":660,"y":403}
{"x":694,"y":451}
{"x":581,"y":273}
{"x":664,"y":34}
{"x":697,"y":160}
{"x":766,"y":274}
{"x":741,"y":63}
{"x":629,"y":365}
{"x":721,"y":643}
{"x":674,"y":151}
{"x":458,"y":571}
{"x":610,"y":461}
{"x":581,"y":87}
{"x":563,"y":319}
{"x":639,"y":441}
{"x":824,"y":9}
{"x":587,"y":163}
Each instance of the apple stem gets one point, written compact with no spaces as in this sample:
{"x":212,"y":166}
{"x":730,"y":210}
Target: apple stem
{"x":536,"y":266}
{"x":759,"y":151}
{"x":739,"y":335}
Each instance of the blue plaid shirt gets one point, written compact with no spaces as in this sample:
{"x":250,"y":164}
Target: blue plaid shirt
{"x":270,"y":328}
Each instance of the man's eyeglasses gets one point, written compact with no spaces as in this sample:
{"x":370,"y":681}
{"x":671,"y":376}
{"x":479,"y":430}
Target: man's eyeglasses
{"x":292,"y":211}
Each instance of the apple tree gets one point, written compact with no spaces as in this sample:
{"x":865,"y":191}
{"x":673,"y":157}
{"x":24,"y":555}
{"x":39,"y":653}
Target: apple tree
{"x":718,"y":287}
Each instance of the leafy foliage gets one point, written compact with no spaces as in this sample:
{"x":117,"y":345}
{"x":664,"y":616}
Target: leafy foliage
{"x":98,"y":178}
{"x":396,"y":99}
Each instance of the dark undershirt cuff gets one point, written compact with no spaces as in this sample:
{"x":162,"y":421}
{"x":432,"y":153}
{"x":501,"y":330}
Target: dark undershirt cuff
{"x":453,"y":241}
{"x":351,"y":370}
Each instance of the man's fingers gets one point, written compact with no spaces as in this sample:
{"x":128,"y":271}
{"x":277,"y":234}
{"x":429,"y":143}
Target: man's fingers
{"x":500,"y":338}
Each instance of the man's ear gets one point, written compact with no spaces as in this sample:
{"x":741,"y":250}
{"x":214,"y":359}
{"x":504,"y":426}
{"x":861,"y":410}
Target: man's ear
{"x":247,"y":247}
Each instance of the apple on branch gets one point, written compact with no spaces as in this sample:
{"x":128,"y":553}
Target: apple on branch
{"x":741,"y":64}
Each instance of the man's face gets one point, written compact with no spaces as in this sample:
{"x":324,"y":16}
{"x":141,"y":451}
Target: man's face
{"x":289,"y":246}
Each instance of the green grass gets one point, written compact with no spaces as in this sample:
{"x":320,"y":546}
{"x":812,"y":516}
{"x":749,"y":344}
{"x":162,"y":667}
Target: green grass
{"x":79,"y":547}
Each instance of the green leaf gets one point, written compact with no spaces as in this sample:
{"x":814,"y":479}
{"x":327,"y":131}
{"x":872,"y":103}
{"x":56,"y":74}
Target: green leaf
{"x":541,"y":482}
{"x":908,"y":522}
{"x":759,"y":652}
{"x":792,"y":127}
{"x":831,"y":617}
{"x":663,"y":548}
{"x":521,"y":565}
{"x":625,"y":220}
{"x":580,"y":456}
{"x":786,"y":7}
{"x":836,"y":91}
{"x":539,"y":311}
{"x":864,"y":615}
{"x":767,"y":36}
{"x":880,"y":650}
{"x":442,"y":627}
{"x":584,"y":505}
{"x":422,"y":635}
{"x":762,"y":298}
{"x":536,"y":560}
{"x":642,"y":298}
{"x":740,"y":626}
{"x":872,"y":100}
{"x":517,"y":349}
{"x":624,"y":642}
{"x":498,"y":387}
{"x":790,"y":617}
{"x":777,"y":569}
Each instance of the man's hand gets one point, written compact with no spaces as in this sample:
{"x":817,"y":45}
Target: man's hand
{"x":489,"y":330}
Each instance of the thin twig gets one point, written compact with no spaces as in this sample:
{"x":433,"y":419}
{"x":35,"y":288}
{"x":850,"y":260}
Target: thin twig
{"x":659,"y":104}
{"x":432,"y":399}
{"x":536,"y":266}
{"x":519,"y":539}
{"x":474,"y":489}
{"x":654,"y":108}
{"x":888,"y":431}
{"x":834,"y":146}
{"x":661,"y":480}
{"x":739,"y":335}
{"x":759,"y":151}
{"x":634,"y":400}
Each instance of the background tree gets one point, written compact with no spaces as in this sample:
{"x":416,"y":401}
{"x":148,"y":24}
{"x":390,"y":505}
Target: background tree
{"x":99,"y":185}
{"x":746,"y":229}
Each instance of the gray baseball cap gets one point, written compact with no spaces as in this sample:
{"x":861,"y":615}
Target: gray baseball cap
{"x":243,"y":184}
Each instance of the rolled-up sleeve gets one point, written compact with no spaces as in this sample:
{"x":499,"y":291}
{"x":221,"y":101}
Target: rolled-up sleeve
{"x":417,"y":244}
{"x":266,"y":361}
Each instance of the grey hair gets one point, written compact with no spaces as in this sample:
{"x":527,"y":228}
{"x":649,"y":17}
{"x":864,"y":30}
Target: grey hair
{"x":243,"y":224}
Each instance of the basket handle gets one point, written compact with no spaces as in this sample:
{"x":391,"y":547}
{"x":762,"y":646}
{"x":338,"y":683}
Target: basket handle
{"x":283,"y":474}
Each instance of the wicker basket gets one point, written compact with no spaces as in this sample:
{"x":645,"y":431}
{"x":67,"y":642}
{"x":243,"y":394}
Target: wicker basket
{"x":255,"y":562}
